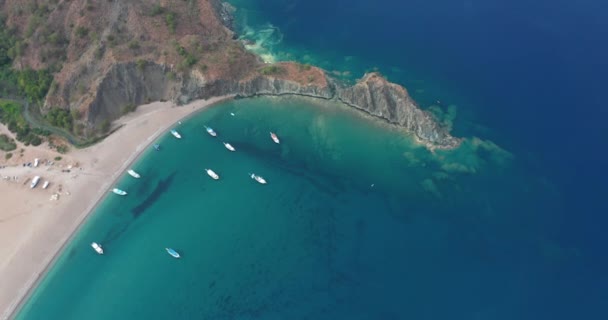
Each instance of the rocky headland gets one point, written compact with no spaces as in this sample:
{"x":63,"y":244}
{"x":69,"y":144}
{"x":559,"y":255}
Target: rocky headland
{"x":120,"y":54}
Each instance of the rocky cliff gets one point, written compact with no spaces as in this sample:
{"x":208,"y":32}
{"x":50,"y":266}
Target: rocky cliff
{"x":126,"y":84}
{"x":112,"y":55}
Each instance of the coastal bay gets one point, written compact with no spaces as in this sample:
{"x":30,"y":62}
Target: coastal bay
{"x":35,"y":227}
{"x":352,"y":207}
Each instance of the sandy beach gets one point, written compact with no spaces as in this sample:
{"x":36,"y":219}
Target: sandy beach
{"x":33,"y":226}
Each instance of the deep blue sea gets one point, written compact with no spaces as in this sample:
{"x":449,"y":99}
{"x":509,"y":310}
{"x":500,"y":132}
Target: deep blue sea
{"x":357,"y":222}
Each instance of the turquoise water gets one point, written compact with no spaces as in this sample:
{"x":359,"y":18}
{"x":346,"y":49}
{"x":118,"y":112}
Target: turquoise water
{"x":505,"y":227}
{"x":318,"y":241}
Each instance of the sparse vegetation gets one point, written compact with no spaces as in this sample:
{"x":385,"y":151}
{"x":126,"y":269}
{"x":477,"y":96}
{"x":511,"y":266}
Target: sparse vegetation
{"x":129,"y":108}
{"x":157,"y":10}
{"x":171,"y":22}
{"x":271,"y":70}
{"x":141,"y":64}
{"x":6,"y":143}
{"x":11,"y":116}
{"x":304,"y":67}
{"x":81,"y":31}
{"x":134,"y":45}
{"x":63,"y":149}
{"x":105,"y":126}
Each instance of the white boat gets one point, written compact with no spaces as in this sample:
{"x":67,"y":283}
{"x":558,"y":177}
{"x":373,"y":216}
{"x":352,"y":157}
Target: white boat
{"x":35,"y":162}
{"x":257,"y":178}
{"x":45,"y":185}
{"x":274,"y":138}
{"x":232,"y":114}
{"x":212,"y":174}
{"x":119,"y":192}
{"x":210,"y":131}
{"x":97,"y":247}
{"x":176,"y":134}
{"x":173,"y":253}
{"x":133,"y":174}
{"x":34,"y":182}
{"x":229,"y":146}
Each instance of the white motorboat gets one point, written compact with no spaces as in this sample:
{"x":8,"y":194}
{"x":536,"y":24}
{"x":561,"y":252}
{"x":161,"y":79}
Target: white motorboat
{"x":133,"y":174}
{"x":97,"y":247}
{"x":274,"y":138}
{"x":176,"y":134}
{"x":257,"y":178}
{"x":173,"y":253}
{"x":229,"y":146}
{"x":45,"y":185}
{"x":34,"y":182}
{"x":212,"y":174}
{"x":119,"y":192}
{"x":210,"y":131}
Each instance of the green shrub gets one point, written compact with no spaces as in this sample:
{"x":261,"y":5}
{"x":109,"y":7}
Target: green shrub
{"x":134,"y":45}
{"x":34,"y":84}
{"x":6,"y":143}
{"x":157,"y":10}
{"x":141,"y":64}
{"x":8,"y":156}
{"x":81,"y":32}
{"x":60,"y":118}
{"x":105,"y":126}
{"x":63,"y":149}
{"x":272,"y":69}
{"x":57,"y":158}
{"x":128,"y":108}
{"x":171,"y":22}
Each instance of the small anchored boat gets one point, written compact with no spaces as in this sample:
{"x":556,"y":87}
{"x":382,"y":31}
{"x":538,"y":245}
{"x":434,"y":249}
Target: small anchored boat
{"x":173,"y":253}
{"x":176,"y":134}
{"x":97,"y":247}
{"x":212,"y":174}
{"x":274,"y":138}
{"x":157,"y":147}
{"x":119,"y":192}
{"x":210,"y":131}
{"x":257,"y":178}
{"x":229,"y":146}
{"x":133,"y":174}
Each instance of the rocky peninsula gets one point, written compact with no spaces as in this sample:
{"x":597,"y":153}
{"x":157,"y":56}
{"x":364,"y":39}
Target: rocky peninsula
{"x":117,"y":55}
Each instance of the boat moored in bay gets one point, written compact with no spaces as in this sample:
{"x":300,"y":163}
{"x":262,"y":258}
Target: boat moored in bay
{"x":212,"y":174}
{"x":157,"y":147}
{"x":229,"y":146}
{"x":274,"y":138}
{"x":133,"y":174}
{"x":173,"y":253}
{"x":119,"y":192}
{"x":97,"y":247}
{"x":176,"y":134}
{"x":257,"y":178}
{"x":210,"y":131}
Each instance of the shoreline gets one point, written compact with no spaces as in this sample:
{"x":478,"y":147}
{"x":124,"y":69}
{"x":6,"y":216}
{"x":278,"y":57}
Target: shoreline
{"x":29,"y":285}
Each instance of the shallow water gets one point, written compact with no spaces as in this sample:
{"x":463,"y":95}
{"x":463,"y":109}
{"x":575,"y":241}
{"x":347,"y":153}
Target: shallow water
{"x":505,"y":227}
{"x":318,"y":241}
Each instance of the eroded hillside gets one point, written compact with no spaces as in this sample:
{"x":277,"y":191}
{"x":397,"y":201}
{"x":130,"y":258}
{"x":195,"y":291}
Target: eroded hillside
{"x":107,"y":57}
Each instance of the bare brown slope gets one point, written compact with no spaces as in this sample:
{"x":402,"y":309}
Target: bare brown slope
{"x":110,"y":55}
